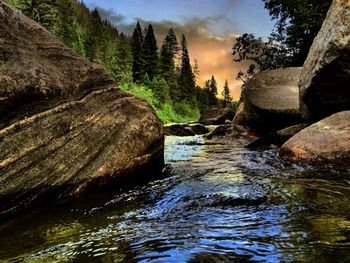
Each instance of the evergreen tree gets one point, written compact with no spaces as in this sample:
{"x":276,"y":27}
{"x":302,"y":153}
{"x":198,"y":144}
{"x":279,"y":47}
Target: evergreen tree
{"x":150,"y":54}
{"x":168,"y":54}
{"x":136,"y":48}
{"x":44,"y":12}
{"x":67,"y":27}
{"x":95,"y":41}
{"x":226,"y":95}
{"x":212,"y":90}
{"x":186,"y":81}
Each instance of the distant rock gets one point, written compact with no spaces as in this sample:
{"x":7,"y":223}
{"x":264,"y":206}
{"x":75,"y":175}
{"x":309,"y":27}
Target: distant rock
{"x":185,"y":129}
{"x":215,"y":116}
{"x":231,"y":134}
{"x":239,"y":118}
{"x":277,"y":138}
{"x":325,"y":141}
{"x":271,"y":100}
{"x":64,"y":127}
{"x":325,"y":78}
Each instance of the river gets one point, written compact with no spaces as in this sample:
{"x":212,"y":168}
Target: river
{"x":214,"y":203}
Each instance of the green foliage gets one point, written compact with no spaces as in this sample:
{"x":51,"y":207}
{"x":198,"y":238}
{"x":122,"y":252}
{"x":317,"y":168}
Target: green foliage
{"x":297,"y":24}
{"x":167,"y":112}
{"x":161,"y":89}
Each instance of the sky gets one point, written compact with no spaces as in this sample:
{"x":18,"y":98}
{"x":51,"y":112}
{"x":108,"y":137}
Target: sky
{"x":210,"y":26}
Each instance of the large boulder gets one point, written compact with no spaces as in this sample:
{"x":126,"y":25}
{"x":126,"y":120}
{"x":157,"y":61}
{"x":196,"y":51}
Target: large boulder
{"x":327,"y":140}
{"x":325,"y":78}
{"x":271,"y":100}
{"x":64,"y":127}
{"x":216,"y":116}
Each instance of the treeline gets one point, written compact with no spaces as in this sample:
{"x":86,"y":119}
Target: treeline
{"x":164,"y":76}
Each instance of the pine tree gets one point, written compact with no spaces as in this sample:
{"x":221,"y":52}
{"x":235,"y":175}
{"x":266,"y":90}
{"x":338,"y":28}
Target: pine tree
{"x":44,"y":12}
{"x":186,"y":81}
{"x":168,"y":55}
{"x":136,"y":48}
{"x":212,"y":89}
{"x":226,"y":94}
{"x":150,"y":54}
{"x":95,"y":41}
{"x":67,"y":27}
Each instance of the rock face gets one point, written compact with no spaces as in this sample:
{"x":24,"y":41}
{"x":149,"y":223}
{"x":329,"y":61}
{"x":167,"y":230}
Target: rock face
{"x":327,"y":140}
{"x":239,"y":118}
{"x":215,"y":116}
{"x":64,"y":127}
{"x":185,"y":129}
{"x":271,"y":100}
{"x":325,"y":78}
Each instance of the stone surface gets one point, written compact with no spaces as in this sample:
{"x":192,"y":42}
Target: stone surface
{"x":239,"y":118}
{"x":271,"y":100}
{"x":64,"y":127}
{"x":277,"y":138}
{"x":185,"y":129}
{"x":215,"y":116}
{"x":325,"y":78}
{"x":325,"y":141}
{"x":231,"y":134}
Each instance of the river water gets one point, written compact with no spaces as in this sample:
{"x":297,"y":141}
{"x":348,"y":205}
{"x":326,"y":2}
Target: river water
{"x":214,"y":203}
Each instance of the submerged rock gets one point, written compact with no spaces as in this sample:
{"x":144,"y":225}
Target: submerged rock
{"x":324,"y":80}
{"x":325,"y":141}
{"x":185,"y":129}
{"x":231,"y":134}
{"x":277,"y":138}
{"x":64,"y":127}
{"x":271,"y":100}
{"x":215,"y":116}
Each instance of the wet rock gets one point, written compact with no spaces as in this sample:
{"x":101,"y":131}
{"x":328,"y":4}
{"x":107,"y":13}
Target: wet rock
{"x":277,"y":138}
{"x":64,"y":127}
{"x":324,"y":81}
{"x":271,"y":100}
{"x":239,"y":118}
{"x":231,"y":134}
{"x":325,"y":141}
{"x":185,"y":130}
{"x":215,"y":116}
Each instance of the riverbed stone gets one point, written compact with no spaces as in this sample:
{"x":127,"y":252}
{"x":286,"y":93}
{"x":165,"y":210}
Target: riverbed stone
{"x":271,"y":100}
{"x":277,"y":138}
{"x":325,"y":77}
{"x":185,"y":129}
{"x":231,"y":134}
{"x":65,"y":128}
{"x":216,"y":116}
{"x":325,"y":141}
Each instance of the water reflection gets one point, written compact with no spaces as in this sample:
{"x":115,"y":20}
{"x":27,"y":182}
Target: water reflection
{"x":219,"y":204}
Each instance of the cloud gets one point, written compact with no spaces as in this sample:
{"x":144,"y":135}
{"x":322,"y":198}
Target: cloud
{"x":212,"y":51}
